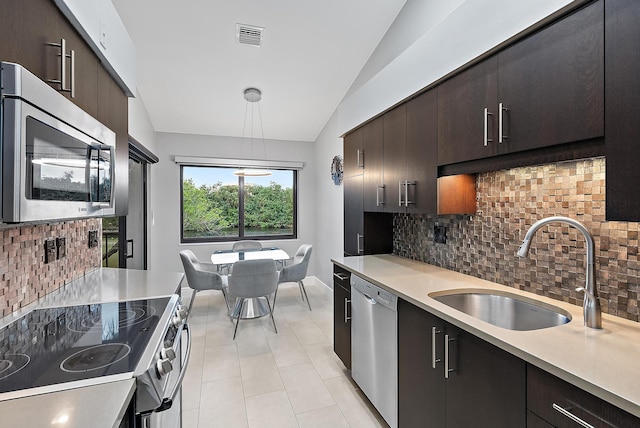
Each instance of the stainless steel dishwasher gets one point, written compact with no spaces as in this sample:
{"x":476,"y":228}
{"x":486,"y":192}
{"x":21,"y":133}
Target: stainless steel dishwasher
{"x":374,"y":339}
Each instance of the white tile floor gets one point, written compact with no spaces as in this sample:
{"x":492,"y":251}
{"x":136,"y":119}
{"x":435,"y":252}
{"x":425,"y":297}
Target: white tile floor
{"x":264,"y":379}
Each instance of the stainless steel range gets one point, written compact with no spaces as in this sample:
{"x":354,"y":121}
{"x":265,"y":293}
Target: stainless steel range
{"x":54,"y":349}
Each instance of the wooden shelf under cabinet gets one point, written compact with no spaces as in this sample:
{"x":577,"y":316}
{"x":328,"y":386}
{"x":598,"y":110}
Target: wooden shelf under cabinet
{"x":457,"y":194}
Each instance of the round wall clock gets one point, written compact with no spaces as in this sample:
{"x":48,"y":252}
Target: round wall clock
{"x":336,"y":170}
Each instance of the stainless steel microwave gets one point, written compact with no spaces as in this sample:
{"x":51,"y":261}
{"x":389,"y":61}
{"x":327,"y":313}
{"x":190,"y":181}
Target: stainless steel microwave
{"x":57,"y":160}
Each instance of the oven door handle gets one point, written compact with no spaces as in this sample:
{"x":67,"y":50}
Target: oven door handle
{"x":167,"y":402}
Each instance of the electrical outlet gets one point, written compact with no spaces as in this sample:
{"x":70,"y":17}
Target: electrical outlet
{"x":50,"y":250}
{"x":440,"y":234}
{"x":93,"y":239}
{"x":62,"y":247}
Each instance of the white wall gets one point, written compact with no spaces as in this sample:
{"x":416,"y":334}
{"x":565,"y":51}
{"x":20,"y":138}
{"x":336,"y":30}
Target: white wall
{"x":165,"y":206}
{"x":455,"y":34}
{"x":329,"y":202}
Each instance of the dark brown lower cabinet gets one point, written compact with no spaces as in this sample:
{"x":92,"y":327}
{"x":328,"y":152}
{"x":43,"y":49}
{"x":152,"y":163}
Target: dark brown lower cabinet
{"x":555,"y":401}
{"x":448,"y":377}
{"x":342,"y":315}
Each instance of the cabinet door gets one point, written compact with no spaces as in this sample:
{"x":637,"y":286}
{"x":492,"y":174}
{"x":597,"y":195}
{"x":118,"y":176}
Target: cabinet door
{"x":486,"y":386}
{"x":421,"y":387}
{"x":552,"y":83}
{"x":461,"y":103}
{"x":113,"y":112}
{"x":395,"y":159}
{"x":353,"y":153}
{"x":622,"y":89}
{"x":38,"y":23}
{"x":375,"y":198}
{"x":341,"y":318}
{"x":353,"y":216}
{"x":545,"y":390}
{"x":422,"y":153}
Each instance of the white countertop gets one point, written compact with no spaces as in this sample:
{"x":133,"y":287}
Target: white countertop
{"x":100,"y":405}
{"x":106,"y":285}
{"x":602,"y":362}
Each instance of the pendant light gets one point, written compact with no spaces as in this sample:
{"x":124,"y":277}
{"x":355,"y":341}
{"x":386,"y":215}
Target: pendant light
{"x":253,"y":96}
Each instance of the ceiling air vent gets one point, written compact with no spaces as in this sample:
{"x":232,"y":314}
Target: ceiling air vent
{"x":249,"y":35}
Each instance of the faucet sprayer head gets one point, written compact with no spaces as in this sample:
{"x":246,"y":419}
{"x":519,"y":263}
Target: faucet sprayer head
{"x":524,"y":248}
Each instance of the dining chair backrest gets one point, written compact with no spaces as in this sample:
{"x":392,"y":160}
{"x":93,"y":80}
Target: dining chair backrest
{"x":253,"y":278}
{"x":246,"y":246}
{"x":200,"y":276}
{"x":297,"y":270}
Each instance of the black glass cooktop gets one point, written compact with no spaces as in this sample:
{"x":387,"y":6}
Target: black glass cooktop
{"x":50,"y":346}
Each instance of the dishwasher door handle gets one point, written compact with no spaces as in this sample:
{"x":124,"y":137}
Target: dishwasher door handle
{"x":369,"y":298}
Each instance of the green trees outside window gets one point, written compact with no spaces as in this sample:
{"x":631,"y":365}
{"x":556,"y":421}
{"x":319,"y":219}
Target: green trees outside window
{"x":217,"y":205}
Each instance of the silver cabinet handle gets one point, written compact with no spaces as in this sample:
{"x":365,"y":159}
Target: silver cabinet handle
{"x":341,"y":276}
{"x":447,"y":370}
{"x":346,"y":316}
{"x":378,"y":200}
{"x":434,"y":360}
{"x":360,"y":164}
{"x":72,"y":71}
{"x":63,"y":68}
{"x":406,"y":192}
{"x":501,"y":136}
{"x":63,"y":64}
{"x":487,"y":140}
{"x":399,"y":193}
{"x":359,"y":237}
{"x":571,"y":416}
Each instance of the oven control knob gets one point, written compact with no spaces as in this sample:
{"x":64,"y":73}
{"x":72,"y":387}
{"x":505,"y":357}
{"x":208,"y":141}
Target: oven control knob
{"x":168,"y":353}
{"x":164,"y":366}
{"x":177,"y":321}
{"x":182,"y":312}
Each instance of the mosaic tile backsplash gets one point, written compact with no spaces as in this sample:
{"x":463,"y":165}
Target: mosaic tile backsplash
{"x":24,"y":277}
{"x":508,"y":203}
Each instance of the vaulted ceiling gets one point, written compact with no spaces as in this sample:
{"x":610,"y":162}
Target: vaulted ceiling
{"x":192,"y":72}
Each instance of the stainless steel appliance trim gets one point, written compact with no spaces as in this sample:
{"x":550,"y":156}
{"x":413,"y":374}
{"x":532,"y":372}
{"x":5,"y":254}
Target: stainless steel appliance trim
{"x":167,"y":402}
{"x":571,"y":416}
{"x":16,"y":207}
{"x":374,"y":364}
{"x":155,"y":342}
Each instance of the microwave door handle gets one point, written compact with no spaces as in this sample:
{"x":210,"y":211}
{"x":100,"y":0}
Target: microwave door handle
{"x":167,"y":402}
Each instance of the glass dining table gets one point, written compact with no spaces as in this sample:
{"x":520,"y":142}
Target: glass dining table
{"x":252,"y":308}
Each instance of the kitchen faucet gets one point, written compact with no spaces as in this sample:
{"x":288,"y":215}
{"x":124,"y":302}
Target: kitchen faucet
{"x":591,"y":305}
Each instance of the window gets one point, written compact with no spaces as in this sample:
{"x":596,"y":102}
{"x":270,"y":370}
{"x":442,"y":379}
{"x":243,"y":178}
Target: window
{"x":219,"y":206}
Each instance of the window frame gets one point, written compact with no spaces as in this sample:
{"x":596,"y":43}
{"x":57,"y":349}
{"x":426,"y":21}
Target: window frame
{"x":241,"y":236}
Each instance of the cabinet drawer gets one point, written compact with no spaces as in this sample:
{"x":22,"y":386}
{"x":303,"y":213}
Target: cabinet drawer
{"x":342,"y":277}
{"x":555,"y":400}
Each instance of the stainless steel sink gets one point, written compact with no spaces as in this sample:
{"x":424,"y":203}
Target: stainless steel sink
{"x":504,"y":310}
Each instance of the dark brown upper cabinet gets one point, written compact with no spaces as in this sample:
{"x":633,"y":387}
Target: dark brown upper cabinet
{"x":622,"y":88}
{"x":353,"y":154}
{"x":374,"y":186}
{"x":466,"y":126}
{"x":551,"y":84}
{"x":401,"y":146}
{"x":35,"y":27}
{"x":396,"y":191}
{"x":544,"y":90}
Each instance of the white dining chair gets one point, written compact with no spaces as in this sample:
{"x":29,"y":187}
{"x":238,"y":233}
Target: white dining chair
{"x":202,"y":276}
{"x":251,"y":279}
{"x":246,"y":246}
{"x":297,"y":270}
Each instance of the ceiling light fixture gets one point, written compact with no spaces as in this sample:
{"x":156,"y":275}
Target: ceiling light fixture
{"x":253,"y":96}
